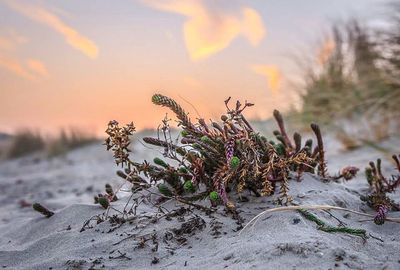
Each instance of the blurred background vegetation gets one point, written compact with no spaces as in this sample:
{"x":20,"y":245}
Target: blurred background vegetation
{"x":355,"y":86}
{"x":26,"y":141}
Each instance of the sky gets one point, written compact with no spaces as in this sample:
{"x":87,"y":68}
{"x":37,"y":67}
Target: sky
{"x":74,"y":63}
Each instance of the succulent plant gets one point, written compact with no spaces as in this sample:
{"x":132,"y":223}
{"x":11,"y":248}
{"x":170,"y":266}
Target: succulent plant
{"x":218,"y":158}
{"x":379,"y":187}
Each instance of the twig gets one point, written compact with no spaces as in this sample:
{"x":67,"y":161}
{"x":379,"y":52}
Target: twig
{"x":341,"y":223}
{"x":181,"y":200}
{"x":120,"y":256}
{"x":377,"y":238}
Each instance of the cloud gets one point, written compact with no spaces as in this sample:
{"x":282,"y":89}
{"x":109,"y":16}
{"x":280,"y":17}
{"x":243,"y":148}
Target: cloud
{"x":31,"y":69}
{"x":5,"y":44}
{"x":10,"y":40}
{"x":15,"y":66}
{"x":37,"y":67}
{"x":43,"y":16}
{"x":207,"y":32}
{"x":273,"y":75}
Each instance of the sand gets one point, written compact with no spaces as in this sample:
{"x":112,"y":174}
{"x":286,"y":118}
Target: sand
{"x":188,"y":239}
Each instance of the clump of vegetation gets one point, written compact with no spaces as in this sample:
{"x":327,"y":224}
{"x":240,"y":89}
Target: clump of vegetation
{"x":67,"y":141}
{"x":353,"y":85}
{"x":211,"y":161}
{"x":347,"y":173}
{"x":25,"y":142}
{"x":105,"y":199}
{"x":380,"y":186}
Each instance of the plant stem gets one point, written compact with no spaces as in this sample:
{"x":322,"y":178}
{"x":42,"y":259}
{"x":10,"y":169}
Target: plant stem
{"x":330,"y":229}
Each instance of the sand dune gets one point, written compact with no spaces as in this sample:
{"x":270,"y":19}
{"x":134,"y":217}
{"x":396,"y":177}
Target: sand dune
{"x":186,"y":239}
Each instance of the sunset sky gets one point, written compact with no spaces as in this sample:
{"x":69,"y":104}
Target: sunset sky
{"x":75,"y":63}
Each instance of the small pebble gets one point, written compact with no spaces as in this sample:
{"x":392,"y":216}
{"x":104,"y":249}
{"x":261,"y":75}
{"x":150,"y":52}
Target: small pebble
{"x":296,"y":220}
{"x":301,"y":195}
{"x":228,"y":257}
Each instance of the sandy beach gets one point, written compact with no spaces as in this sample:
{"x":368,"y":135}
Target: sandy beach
{"x":179,"y":238}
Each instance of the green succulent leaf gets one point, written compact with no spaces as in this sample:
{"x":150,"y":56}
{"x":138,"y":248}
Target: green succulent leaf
{"x":160,"y":162}
{"x":103,"y":201}
{"x":184,"y":133}
{"x":183,"y":170}
{"x":164,"y":190}
{"x":205,"y":139}
{"x":188,"y":186}
{"x":280,"y":149}
{"x":235,"y":162}
{"x":213,"y":196}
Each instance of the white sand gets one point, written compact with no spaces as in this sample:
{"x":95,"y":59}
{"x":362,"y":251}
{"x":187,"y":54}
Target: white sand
{"x":278,"y":241}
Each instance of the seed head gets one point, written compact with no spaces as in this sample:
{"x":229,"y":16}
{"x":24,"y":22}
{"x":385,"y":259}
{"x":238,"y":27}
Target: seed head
{"x":381,"y":215}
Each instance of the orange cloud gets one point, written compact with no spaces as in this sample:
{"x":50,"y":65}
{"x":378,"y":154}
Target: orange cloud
{"x":41,"y":15}
{"x":30,"y":69}
{"x":207,"y":32}
{"x":326,"y":51}
{"x":37,"y":67}
{"x":13,"y":65}
{"x":273,"y":75}
{"x":6,"y":44}
{"x":10,"y":40}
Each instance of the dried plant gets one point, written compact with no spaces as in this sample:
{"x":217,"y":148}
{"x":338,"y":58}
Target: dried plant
{"x":25,"y":142}
{"x":118,"y":141}
{"x":354,"y":80}
{"x":42,"y":210}
{"x":105,"y":199}
{"x":69,"y":140}
{"x":347,"y":173}
{"x":380,"y":186}
{"x":211,"y":161}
